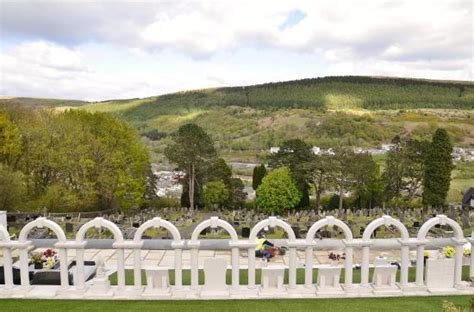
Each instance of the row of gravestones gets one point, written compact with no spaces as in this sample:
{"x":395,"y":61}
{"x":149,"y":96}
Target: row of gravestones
{"x":239,"y":218}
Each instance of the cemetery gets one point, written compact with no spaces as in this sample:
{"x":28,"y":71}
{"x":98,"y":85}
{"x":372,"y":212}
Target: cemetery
{"x":330,"y":254}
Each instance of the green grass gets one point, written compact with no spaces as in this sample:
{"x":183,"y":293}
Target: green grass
{"x":419,"y":304}
{"x":243,"y":279}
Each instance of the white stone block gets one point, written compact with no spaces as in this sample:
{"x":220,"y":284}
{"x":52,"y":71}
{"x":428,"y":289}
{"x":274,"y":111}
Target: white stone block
{"x":439,"y":273}
{"x":272,"y":278}
{"x":328,"y":276}
{"x":214,"y":274}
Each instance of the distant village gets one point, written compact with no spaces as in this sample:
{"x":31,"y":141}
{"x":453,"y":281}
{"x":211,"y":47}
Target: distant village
{"x":167,"y":182}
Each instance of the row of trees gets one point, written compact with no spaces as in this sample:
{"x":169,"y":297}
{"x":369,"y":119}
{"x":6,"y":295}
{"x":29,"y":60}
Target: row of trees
{"x":70,"y":161}
{"x":208,"y":179}
{"x":411,"y":166}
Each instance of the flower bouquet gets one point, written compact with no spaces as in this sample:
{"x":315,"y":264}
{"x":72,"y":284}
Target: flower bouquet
{"x":449,"y":251}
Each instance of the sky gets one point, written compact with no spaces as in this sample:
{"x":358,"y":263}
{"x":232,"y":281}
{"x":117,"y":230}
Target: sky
{"x":97,"y":50}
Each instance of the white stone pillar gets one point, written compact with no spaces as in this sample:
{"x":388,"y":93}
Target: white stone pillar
{"x":80,"y":282}
{"x":7,"y":267}
{"x":137,"y":268}
{"x":420,"y":265}
{"x":458,"y":261}
{"x":195,"y":266}
{"x":405,"y":262}
{"x":251,"y":269}
{"x":178,"y":268}
{"x":364,"y":282}
{"x":24,"y":272}
{"x":63,"y":268}
{"x":292,"y":268}
{"x":471,"y":266}
{"x":235,"y":267}
{"x":308,"y":270}
{"x":348,"y":265}
{"x":120,"y":269}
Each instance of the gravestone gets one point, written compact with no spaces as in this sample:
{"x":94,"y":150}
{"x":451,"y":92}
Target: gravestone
{"x":69,"y":227}
{"x":3,"y":219}
{"x":214,"y":278}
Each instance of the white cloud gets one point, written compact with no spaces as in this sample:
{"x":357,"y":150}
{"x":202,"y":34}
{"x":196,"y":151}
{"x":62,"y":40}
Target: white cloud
{"x":430,"y":39}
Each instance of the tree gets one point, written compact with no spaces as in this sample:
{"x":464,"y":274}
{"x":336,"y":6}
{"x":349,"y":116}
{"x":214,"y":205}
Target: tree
{"x":259,"y":173}
{"x":365,"y":174}
{"x":278,"y":191}
{"x":10,"y":146}
{"x":438,"y":167}
{"x":404,"y":169}
{"x":237,"y":194}
{"x":215,"y":193}
{"x":320,"y":174}
{"x":191,"y":149}
{"x":297,"y":156}
{"x":12,"y":188}
{"x":393,"y":174}
{"x":343,"y":173}
{"x":93,"y":159}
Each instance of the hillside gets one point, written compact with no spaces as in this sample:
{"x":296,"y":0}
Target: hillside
{"x":350,"y":110}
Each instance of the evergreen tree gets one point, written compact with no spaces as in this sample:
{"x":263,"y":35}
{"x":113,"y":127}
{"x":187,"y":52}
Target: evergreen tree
{"x":259,"y":173}
{"x":438,"y":167}
{"x":192,"y":150}
{"x":297,"y":156}
{"x":278,"y":192}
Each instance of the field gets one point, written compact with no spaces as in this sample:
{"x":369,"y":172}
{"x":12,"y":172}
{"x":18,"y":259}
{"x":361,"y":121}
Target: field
{"x":419,"y":304}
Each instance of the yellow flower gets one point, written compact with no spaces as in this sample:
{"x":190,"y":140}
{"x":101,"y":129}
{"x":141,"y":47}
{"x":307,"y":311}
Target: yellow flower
{"x":449,"y":251}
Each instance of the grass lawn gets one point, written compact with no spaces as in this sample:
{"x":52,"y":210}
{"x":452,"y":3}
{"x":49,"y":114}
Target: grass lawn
{"x":418,"y":304}
{"x":244,"y":276}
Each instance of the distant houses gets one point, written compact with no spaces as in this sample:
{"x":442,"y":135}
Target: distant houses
{"x":459,"y":153}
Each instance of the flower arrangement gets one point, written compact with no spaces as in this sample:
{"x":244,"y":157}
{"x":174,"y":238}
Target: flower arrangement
{"x":49,"y":256}
{"x":466,"y":252}
{"x":44,"y":260}
{"x":336,"y":257}
{"x":449,"y":251}
{"x":36,"y":258}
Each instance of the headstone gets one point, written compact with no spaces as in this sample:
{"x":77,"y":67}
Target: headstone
{"x":245,"y":232}
{"x":328,"y":277}
{"x":214,"y":275}
{"x":3,"y":219}
{"x":69,"y":227}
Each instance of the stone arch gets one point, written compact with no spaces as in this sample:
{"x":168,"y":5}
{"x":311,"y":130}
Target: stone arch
{"x":328,"y":221}
{"x":214,"y":222}
{"x":99,"y":222}
{"x":272,"y":222}
{"x":157,"y":223}
{"x":405,"y":236}
{"x":458,"y":241}
{"x":387,"y":221}
{"x":177,"y":245}
{"x":442,"y":220}
{"x":40,"y":223}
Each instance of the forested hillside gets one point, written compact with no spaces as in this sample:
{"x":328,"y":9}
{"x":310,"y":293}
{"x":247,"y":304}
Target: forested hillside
{"x":330,"y":111}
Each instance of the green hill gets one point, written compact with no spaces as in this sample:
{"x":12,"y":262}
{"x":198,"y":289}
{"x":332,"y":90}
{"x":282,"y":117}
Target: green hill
{"x":349,"y":110}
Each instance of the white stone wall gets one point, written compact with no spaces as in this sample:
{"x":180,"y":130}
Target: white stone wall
{"x":214,"y":287}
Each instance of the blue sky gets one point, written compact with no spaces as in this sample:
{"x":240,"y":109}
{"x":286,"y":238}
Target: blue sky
{"x":96,"y":50}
